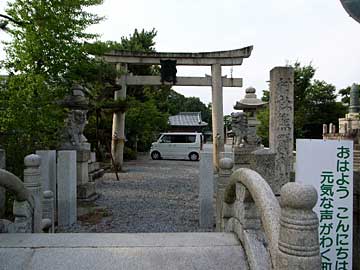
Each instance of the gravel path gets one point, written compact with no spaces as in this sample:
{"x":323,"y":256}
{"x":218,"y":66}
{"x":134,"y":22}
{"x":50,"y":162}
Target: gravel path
{"x":152,"y":196}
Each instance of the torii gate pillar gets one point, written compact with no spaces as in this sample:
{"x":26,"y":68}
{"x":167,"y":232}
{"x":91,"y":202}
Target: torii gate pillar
{"x":118,"y":127}
{"x":217,"y":113}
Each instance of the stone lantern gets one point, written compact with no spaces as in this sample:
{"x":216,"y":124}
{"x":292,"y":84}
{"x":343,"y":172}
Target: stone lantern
{"x":77,"y":106}
{"x":73,"y":139}
{"x":245,"y":129}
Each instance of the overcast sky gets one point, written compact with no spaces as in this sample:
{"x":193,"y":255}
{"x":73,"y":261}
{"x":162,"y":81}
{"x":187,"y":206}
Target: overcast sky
{"x":282,"y":32}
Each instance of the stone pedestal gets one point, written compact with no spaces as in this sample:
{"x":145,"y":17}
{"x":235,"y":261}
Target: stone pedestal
{"x":85,"y":190}
{"x":66,"y":188}
{"x":82,"y":166}
{"x":206,"y":190}
{"x":281,"y":135}
{"x":243,"y":155}
{"x":263,"y":162}
{"x":350,"y":123}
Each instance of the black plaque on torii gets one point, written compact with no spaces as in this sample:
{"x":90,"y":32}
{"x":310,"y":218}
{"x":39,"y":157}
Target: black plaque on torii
{"x":168,"y":71}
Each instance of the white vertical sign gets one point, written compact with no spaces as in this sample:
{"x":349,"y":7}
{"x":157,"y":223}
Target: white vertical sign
{"x":328,"y":166}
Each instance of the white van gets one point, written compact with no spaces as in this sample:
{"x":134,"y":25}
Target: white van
{"x":177,"y":145}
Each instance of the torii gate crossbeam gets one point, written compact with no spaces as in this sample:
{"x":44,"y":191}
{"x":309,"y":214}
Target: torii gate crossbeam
{"x":213,"y":59}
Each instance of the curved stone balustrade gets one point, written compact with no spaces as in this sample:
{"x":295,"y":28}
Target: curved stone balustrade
{"x":29,"y":198}
{"x":12,"y":183}
{"x":273,"y":237}
{"x":264,"y":199}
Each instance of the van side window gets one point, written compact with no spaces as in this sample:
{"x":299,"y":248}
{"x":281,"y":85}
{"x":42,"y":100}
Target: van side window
{"x":190,"y":138}
{"x":166,"y":139}
{"x":178,"y":138}
{"x":183,"y":138}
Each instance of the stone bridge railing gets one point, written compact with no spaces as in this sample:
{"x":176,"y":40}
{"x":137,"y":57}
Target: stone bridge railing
{"x":274,"y":235}
{"x":29,"y":200}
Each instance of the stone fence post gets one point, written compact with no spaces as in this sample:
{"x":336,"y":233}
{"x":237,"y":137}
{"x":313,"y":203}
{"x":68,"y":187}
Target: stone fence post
{"x":48,"y":210}
{"x":226,"y":165}
{"x":298,"y":235}
{"x":206,"y":190}
{"x":32,"y":181}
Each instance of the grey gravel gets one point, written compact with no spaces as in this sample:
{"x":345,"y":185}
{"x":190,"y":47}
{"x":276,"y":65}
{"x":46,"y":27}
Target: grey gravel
{"x":151,"y":196}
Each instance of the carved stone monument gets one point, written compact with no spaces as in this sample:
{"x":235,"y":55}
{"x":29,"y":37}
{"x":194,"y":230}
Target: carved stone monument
{"x":74,"y":139}
{"x":244,"y":126}
{"x":282,"y":121}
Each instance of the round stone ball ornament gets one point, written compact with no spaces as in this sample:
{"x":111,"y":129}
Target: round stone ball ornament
{"x":352,"y":7}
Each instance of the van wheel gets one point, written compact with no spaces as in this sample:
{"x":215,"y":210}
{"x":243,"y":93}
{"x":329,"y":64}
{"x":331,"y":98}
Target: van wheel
{"x":194,"y":156}
{"x":155,"y":155}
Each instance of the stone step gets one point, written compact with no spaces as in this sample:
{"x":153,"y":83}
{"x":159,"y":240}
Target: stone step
{"x":121,"y":251}
{"x":96,"y":174}
{"x":94,"y":166}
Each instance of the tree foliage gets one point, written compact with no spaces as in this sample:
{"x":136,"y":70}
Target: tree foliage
{"x":50,"y":38}
{"x":44,"y":46}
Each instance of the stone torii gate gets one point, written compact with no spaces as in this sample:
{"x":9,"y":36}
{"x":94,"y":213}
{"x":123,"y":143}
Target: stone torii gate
{"x":214,"y":59}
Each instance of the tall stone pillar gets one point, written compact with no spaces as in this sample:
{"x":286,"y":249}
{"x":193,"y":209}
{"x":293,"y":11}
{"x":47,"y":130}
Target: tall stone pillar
{"x":282,"y":121}
{"x":118,"y":127}
{"x":217,"y":113}
{"x":66,"y":187}
{"x":354,"y":99}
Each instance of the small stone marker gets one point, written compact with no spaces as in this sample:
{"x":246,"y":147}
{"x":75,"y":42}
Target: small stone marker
{"x":206,"y":190}
{"x":66,"y":187}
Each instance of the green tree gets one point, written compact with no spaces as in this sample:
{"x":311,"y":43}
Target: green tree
{"x":50,"y":38}
{"x":47,"y":40}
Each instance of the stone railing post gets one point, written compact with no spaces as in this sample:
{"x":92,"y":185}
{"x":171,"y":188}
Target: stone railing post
{"x":32,"y":181}
{"x":48,"y":209}
{"x":325,"y":129}
{"x":225,"y":170}
{"x":23,"y":213}
{"x":298,"y":235}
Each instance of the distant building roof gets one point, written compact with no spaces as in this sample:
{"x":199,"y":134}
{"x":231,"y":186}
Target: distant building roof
{"x":192,"y":119}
